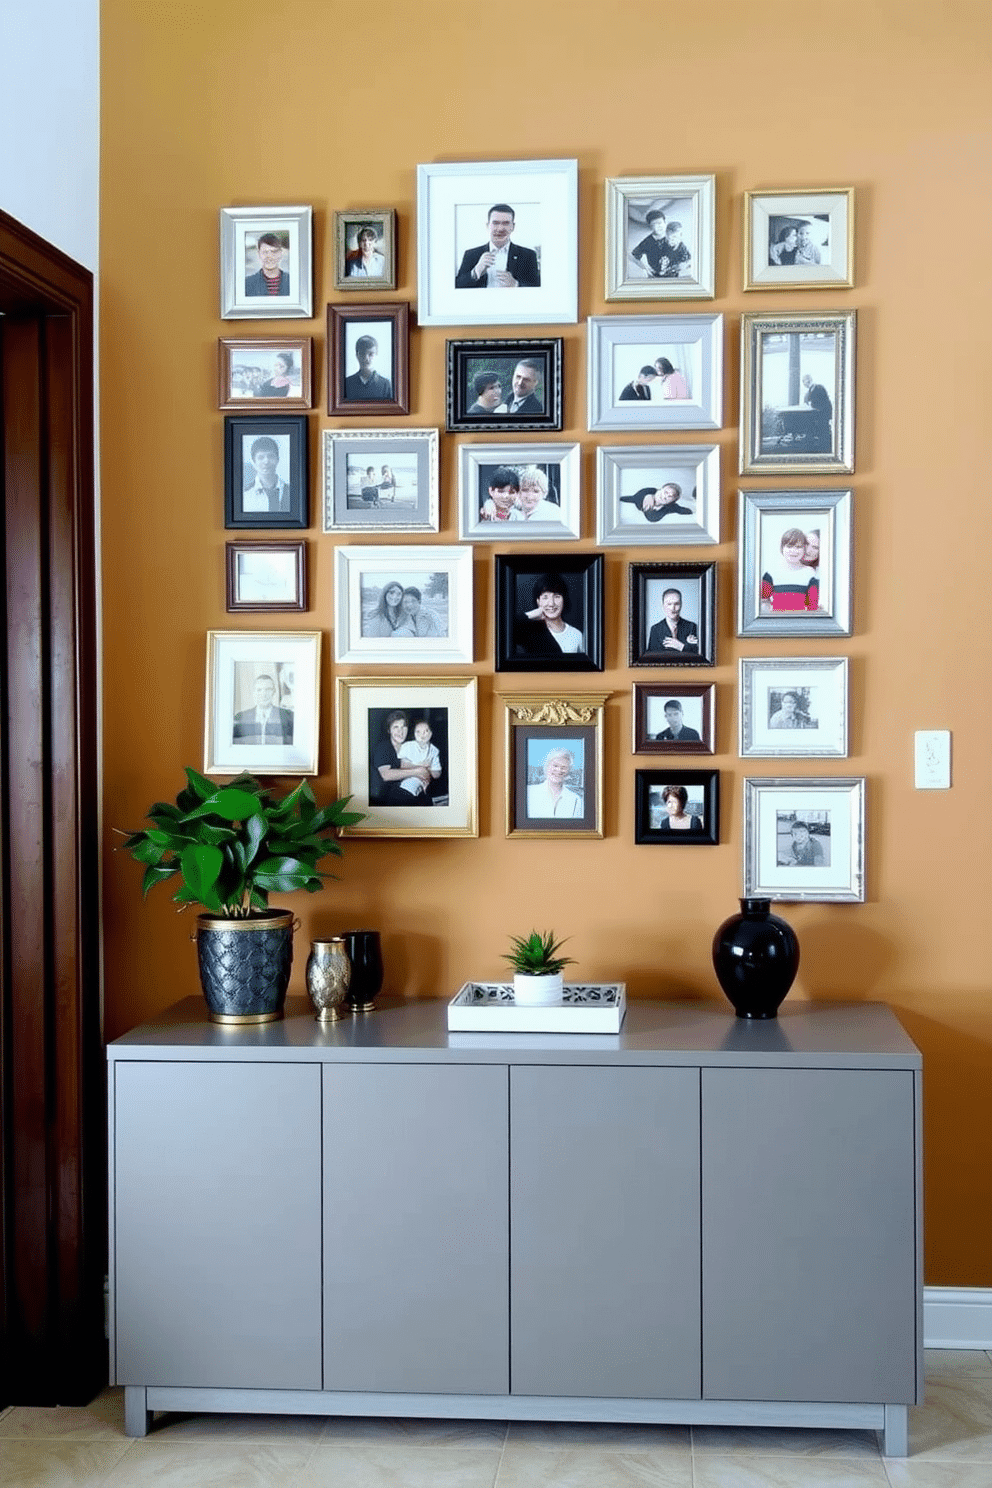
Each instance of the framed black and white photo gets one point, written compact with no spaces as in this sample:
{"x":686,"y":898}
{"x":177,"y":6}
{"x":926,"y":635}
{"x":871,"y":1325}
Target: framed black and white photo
{"x":549,"y":612}
{"x":266,"y":263}
{"x":405,"y":605}
{"x":794,"y":555}
{"x":674,"y":720}
{"x":804,"y":839}
{"x":497,"y":243}
{"x":655,"y":372}
{"x":365,"y":249}
{"x":660,"y":237}
{"x":658,"y":495}
{"x":266,"y":472}
{"x":263,"y":702}
{"x":799,"y":239}
{"x":504,"y":386}
{"x":266,"y":576}
{"x":672,"y":614}
{"x":797,"y":393}
{"x":266,"y":376}
{"x":407,"y":752}
{"x":521,"y":493}
{"x":380,"y":480}
{"x":793,"y":708}
{"x":677,"y":808}
{"x":554,"y":765}
{"x":368,"y":358}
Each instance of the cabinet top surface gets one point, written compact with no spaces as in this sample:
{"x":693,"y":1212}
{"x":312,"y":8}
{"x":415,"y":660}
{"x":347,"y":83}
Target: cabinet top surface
{"x":813,"y":1035}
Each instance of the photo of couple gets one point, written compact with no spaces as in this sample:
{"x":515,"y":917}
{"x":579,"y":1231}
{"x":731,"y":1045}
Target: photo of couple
{"x":412,"y":609}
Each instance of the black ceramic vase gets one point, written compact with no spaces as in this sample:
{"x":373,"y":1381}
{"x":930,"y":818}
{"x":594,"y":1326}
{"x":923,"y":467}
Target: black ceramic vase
{"x":755,"y":957}
{"x":365,"y":954}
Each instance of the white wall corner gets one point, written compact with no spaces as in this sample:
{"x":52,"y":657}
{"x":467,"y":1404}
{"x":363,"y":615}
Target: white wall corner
{"x":957,"y":1317}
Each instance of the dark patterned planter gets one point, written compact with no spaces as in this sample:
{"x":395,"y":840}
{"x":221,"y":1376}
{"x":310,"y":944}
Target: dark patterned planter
{"x":245,"y":965}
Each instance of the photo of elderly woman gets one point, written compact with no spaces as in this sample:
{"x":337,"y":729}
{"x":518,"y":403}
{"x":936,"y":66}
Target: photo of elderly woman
{"x":413,"y":606}
{"x":408,"y":750}
{"x":555,"y":779}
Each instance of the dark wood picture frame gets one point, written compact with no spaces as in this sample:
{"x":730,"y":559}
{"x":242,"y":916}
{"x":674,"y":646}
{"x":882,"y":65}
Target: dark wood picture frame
{"x":240,"y":436}
{"x":228,"y":348}
{"x":468,"y":359}
{"x":647,"y":584}
{"x":341,"y":320}
{"x":235,"y":603}
{"x":648,"y":711}
{"x":521,"y":649}
{"x":648,"y":786}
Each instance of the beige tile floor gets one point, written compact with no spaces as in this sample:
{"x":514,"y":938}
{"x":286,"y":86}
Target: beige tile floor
{"x":950,"y":1438}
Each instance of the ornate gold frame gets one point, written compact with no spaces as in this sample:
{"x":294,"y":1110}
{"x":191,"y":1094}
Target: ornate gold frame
{"x":562,"y":717}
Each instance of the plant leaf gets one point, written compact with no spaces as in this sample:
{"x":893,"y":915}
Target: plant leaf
{"x":230,"y":804}
{"x":154,"y":875}
{"x":200,"y":786}
{"x":201,"y":864}
{"x":283,"y":875}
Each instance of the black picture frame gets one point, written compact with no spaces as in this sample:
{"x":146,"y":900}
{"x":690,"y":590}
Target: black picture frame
{"x":648,"y":582}
{"x":468,"y":360}
{"x":701,"y":789}
{"x":241,"y":436}
{"x":346,"y":325}
{"x":519,"y":648}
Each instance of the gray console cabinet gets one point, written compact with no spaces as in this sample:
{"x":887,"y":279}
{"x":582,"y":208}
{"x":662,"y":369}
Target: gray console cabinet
{"x":694,"y":1220}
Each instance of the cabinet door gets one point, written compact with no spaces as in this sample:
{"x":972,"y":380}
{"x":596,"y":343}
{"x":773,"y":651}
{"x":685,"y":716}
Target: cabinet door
{"x":809,"y":1235}
{"x":217,"y":1224}
{"x":604,"y":1206}
{"x":415,"y":1228}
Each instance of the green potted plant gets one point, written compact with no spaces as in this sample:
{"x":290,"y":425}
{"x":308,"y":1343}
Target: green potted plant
{"x":230,"y":847}
{"x":537,"y":968}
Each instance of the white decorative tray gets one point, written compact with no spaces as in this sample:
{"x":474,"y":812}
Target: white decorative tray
{"x":586,"y":1007}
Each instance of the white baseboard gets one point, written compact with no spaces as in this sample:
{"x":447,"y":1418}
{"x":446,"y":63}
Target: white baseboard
{"x":957,"y":1317}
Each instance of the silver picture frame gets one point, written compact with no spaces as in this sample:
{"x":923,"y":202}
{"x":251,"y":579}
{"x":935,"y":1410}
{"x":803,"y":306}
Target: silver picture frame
{"x":402,"y":495}
{"x":797,"y":393}
{"x":685,"y":353}
{"x":660,"y":272}
{"x":657,"y":495}
{"x":804,"y":839}
{"x":764,"y":519}
{"x":240,"y":230}
{"x":793,"y":707}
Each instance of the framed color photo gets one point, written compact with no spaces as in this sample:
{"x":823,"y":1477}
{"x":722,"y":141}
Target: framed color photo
{"x":674,"y":720}
{"x":799,"y":239}
{"x":677,"y":808}
{"x":794,"y":550}
{"x":662,"y":495}
{"x":549,"y":612}
{"x":660,"y":237}
{"x":266,"y":472}
{"x":266,"y":265}
{"x":380,"y":480}
{"x":804,"y":839}
{"x":497,"y":243}
{"x":672,"y":614}
{"x":407,"y":752}
{"x":797,"y":393}
{"x":793,"y":708}
{"x":504,"y":387}
{"x":365,"y":249}
{"x":274,"y":375}
{"x":266,"y":576}
{"x":263,"y":702}
{"x":655,"y":372}
{"x":522,"y":493}
{"x":368,"y":355}
{"x":403,"y":605}
{"x":554,"y":765}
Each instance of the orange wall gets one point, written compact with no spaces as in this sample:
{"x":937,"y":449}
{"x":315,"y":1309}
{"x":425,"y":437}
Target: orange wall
{"x":222,"y":103}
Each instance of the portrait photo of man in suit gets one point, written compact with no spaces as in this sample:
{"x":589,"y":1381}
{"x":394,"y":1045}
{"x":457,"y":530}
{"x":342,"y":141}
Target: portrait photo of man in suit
{"x":265,"y":723}
{"x":499,"y":263}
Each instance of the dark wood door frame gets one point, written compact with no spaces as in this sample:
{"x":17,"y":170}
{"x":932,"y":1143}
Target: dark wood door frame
{"x":52,"y":1154}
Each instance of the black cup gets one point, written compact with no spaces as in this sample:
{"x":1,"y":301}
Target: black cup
{"x":365,"y":954}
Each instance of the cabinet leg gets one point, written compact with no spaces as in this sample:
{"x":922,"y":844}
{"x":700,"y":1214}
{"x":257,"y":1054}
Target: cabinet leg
{"x":896,"y":1438}
{"x":137,"y":1416}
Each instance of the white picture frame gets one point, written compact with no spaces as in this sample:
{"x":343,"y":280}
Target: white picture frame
{"x":623,"y":348}
{"x":656,"y":473}
{"x":793,"y":707}
{"x":799,"y":239}
{"x":454,"y":206}
{"x":684,"y":201}
{"x":557,"y":466}
{"x":240,"y":230}
{"x":834,"y":808}
{"x":236,"y":662}
{"x":371,"y":629}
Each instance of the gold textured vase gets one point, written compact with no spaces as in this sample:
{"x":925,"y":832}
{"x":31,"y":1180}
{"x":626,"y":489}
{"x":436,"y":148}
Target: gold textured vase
{"x":328,"y":977}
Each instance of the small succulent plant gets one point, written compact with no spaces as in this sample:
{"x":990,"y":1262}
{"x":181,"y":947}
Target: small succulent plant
{"x":537,"y":955}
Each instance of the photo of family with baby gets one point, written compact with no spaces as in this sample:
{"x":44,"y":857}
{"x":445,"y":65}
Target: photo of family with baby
{"x":408,"y":756}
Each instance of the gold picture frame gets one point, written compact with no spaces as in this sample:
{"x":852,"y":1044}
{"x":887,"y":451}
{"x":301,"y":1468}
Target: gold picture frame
{"x":543,"y":735}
